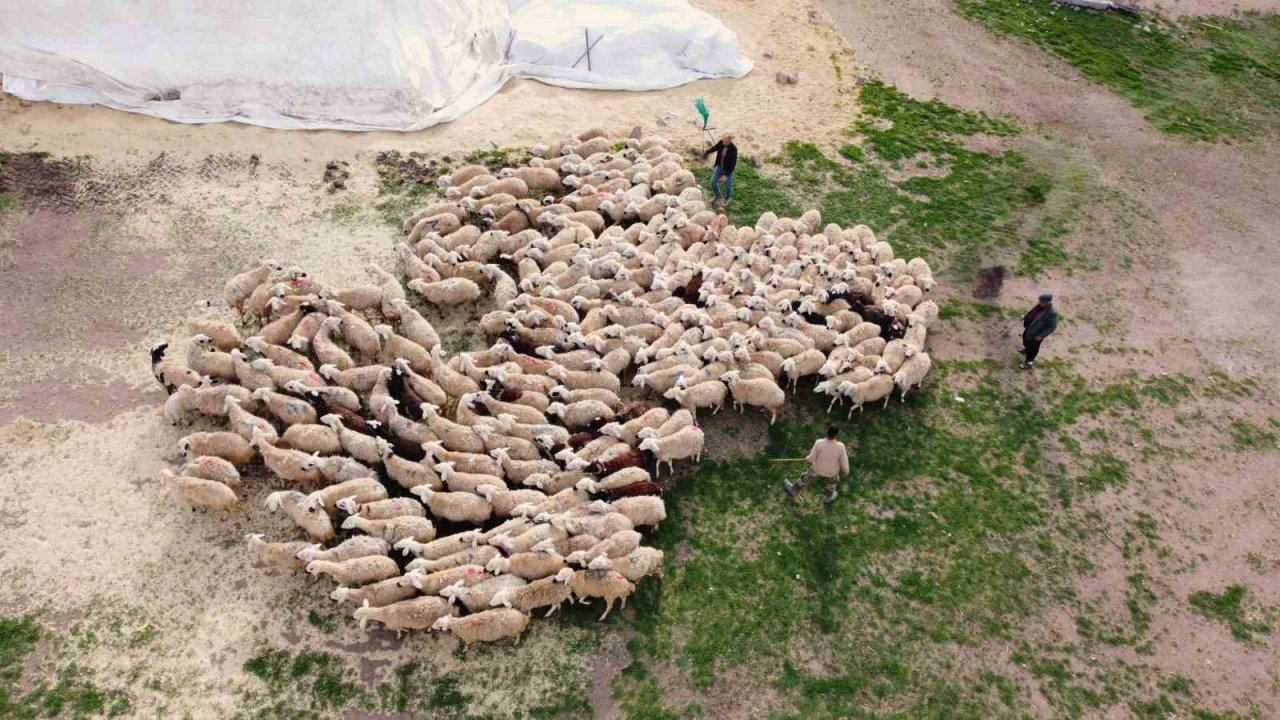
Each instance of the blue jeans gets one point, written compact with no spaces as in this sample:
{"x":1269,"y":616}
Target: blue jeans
{"x":716,"y":175}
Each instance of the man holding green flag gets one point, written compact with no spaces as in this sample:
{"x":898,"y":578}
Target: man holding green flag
{"x":726,"y":160}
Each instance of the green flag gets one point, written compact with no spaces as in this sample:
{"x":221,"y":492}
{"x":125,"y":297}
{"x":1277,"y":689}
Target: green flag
{"x":702,"y":110}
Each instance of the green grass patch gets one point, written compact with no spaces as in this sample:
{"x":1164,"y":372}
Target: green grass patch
{"x":1256,"y":437}
{"x":1228,"y":608}
{"x":66,"y":691}
{"x":949,"y":533}
{"x":966,"y":208}
{"x":1206,"y":78}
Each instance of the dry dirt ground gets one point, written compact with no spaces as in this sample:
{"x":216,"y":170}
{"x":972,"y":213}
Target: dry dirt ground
{"x":161,"y":213}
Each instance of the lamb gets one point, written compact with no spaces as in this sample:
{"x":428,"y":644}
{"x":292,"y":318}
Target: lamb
{"x":640,"y":563}
{"x":326,"y":350}
{"x":432,"y":583}
{"x":287,"y":464}
{"x":419,"y":613}
{"x":246,"y":424}
{"x":362,"y":447}
{"x":170,"y":374}
{"x":486,"y":626}
{"x":463,"y":461}
{"x":409,"y":474}
{"x":596,"y":524}
{"x":312,"y":439}
{"x":686,"y":443}
{"x":616,"y":546}
{"x":455,"y":506}
{"x":415,"y":327}
{"x":641,"y":509}
{"x":619,"y":480}
{"x":919,"y":269}
{"x":480,"y":555}
{"x":581,"y":379}
{"x":626,"y":432}
{"x":349,"y":549}
{"x":282,"y":555}
{"x":212,"y":468}
{"x":581,"y":414}
{"x":382,"y":509}
{"x":520,"y":470}
{"x":379,"y":594}
{"x":357,"y":571}
{"x":289,"y":409}
{"x":475,"y":598}
{"x":608,"y":584}
{"x":359,"y":490}
{"x":282,"y":356}
{"x":708,"y":394}
{"x":535,"y":565}
{"x":306,"y":513}
{"x":460,"y":438}
{"x":504,"y":501}
{"x":226,"y":445}
{"x":546,"y":592}
{"x":912,"y":372}
{"x":449,"y":292}
{"x":204,"y":494}
{"x":758,"y":392}
{"x":465,"y":482}
{"x":806,"y":363}
{"x":443,"y":547}
{"x":238,"y":288}
{"x":394,"y":529}
{"x":338,"y":468}
{"x":877,"y":387}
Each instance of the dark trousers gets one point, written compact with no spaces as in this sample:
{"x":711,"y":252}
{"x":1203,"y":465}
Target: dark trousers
{"x":1033,"y":347}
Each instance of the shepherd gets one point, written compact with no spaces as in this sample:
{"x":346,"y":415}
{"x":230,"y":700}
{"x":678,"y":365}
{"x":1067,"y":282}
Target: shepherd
{"x":726,"y":160}
{"x":1039,"y":322}
{"x":828,"y":459}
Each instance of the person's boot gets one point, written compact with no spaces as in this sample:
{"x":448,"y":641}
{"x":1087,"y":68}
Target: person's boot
{"x":829,"y":496}
{"x":792,"y":488}
{"x":1027,"y":365}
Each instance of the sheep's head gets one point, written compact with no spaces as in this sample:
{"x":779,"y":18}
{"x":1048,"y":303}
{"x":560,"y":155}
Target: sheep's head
{"x":601,"y":562}
{"x":564,"y":576}
{"x":649,"y":444}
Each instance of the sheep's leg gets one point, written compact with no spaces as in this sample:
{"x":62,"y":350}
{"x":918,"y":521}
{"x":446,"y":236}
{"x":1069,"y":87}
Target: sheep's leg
{"x":552,"y":610}
{"x":608,"y":605}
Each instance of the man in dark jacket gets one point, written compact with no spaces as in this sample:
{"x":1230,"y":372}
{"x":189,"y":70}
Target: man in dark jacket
{"x":1037,"y":325}
{"x":726,"y":160}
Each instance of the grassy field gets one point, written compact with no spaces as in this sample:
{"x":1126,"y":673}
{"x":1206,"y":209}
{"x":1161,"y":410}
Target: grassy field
{"x":1210,"y":78}
{"x":908,"y":174}
{"x":917,"y":594}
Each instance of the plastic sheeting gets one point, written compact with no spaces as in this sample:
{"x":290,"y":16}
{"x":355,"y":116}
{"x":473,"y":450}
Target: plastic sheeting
{"x":384,"y":65}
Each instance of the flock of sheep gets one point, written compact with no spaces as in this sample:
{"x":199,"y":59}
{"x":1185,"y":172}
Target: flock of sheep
{"x":517,"y":477}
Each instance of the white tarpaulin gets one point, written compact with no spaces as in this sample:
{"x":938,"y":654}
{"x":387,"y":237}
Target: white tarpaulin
{"x":342,"y":64}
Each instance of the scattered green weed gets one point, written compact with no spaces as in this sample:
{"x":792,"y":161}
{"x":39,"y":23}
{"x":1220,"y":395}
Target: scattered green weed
{"x":1228,"y":608}
{"x":71,"y":692}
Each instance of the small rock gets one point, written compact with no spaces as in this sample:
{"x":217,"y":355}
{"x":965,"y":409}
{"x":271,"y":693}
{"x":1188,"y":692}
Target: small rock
{"x":661,"y":122}
{"x":756,"y":162}
{"x":861,"y":81}
{"x":787,"y":78}
{"x":637,"y":132}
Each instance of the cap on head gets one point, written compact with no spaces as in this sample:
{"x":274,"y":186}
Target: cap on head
{"x":1046,"y":297}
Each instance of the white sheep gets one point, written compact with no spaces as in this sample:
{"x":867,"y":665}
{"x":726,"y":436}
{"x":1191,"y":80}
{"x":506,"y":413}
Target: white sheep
{"x":212,"y":468}
{"x":912,"y":372}
{"x":204,"y":494}
{"x":708,"y":394}
{"x":475,"y":598}
{"x":641,"y":509}
{"x":759,"y":392}
{"x":226,"y":445}
{"x":486,"y":626}
{"x":610,"y":585}
{"x":455,"y":506}
{"x":393,"y":529}
{"x":550,"y":592}
{"x":349,"y":549}
{"x":305,"y":511}
{"x":281,"y":555}
{"x":382,"y":509}
{"x":383,"y":592}
{"x":418,"y":613}
{"x":356,"y":571}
